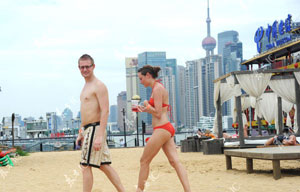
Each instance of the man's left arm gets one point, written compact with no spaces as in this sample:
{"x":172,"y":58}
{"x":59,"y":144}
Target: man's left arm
{"x":102,"y":98}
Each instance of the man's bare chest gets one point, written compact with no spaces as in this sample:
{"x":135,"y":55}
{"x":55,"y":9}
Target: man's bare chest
{"x":87,"y":94}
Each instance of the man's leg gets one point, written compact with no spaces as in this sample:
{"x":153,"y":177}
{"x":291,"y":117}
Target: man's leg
{"x":113,"y":177}
{"x":87,"y":178}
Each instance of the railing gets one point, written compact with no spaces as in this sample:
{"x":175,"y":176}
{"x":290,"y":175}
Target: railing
{"x":68,"y":143}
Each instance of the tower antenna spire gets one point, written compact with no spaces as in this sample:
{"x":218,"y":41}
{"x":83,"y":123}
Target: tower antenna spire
{"x":208,"y":20}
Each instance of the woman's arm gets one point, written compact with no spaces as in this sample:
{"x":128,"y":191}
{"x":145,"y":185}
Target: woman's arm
{"x":156,"y":111}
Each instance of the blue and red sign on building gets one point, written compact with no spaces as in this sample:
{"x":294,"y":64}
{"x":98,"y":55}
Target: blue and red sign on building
{"x":272,"y":33}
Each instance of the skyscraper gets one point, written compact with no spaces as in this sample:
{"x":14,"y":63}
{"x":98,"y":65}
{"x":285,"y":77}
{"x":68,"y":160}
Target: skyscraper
{"x":211,"y":69}
{"x":132,"y":88}
{"x":225,"y":37}
{"x":113,"y":113}
{"x":121,"y":103}
{"x":172,"y":87}
{"x":67,"y":116}
{"x":181,"y":95}
{"x":154,"y":59}
{"x":168,"y":76}
{"x":232,"y":53}
{"x":191,"y":93}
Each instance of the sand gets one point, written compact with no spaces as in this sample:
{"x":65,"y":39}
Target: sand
{"x":59,"y":171}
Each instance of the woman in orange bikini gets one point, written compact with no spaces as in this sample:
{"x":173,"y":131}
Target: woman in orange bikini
{"x":163,"y":131}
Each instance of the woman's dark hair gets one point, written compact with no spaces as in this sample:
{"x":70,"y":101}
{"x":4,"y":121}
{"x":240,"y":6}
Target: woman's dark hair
{"x":153,"y":71}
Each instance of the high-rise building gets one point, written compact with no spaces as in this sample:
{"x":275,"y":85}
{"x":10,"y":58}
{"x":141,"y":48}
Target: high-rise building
{"x":113,"y":114}
{"x":181,"y":95}
{"x":53,"y":122}
{"x":191,"y":92}
{"x":199,"y":97}
{"x":211,"y":69}
{"x":168,"y":76}
{"x":232,"y":53}
{"x":67,"y":116}
{"x":7,"y":126}
{"x":231,"y":50}
{"x":154,"y":59}
{"x":171,"y":84}
{"x":121,"y":103}
{"x":77,"y":121}
{"x":225,"y":37}
{"x":132,"y":88}
{"x":78,"y":115}
{"x":232,"y":57}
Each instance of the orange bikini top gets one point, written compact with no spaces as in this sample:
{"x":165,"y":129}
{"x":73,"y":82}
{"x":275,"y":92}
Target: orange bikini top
{"x":151,"y":100}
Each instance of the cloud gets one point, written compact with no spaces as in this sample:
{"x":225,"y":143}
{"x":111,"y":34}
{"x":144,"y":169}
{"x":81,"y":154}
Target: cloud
{"x":70,"y":38}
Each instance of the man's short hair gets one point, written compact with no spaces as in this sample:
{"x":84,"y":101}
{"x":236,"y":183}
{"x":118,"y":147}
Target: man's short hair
{"x":86,"y":57}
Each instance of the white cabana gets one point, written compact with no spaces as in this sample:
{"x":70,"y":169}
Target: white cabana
{"x":267,"y":104}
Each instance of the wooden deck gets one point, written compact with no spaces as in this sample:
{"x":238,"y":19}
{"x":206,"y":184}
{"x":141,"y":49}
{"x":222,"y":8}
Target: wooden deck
{"x":269,"y":153}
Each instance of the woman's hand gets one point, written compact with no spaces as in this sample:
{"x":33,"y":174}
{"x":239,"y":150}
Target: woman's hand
{"x":146,"y":103}
{"x":144,"y":108}
{"x":141,"y":108}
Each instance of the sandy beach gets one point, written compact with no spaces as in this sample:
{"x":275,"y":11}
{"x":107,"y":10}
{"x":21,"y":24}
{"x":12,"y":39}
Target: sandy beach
{"x":59,"y":171}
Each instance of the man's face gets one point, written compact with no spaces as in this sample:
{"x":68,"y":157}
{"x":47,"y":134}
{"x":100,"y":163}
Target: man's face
{"x":86,"y":68}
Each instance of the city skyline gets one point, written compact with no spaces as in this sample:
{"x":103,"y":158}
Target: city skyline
{"x":39,"y":49}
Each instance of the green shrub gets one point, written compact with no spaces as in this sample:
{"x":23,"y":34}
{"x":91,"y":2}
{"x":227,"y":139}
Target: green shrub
{"x":21,"y":152}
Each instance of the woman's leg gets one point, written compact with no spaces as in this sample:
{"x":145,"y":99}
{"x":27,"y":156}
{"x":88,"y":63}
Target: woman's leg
{"x":156,"y":141}
{"x":171,"y":153}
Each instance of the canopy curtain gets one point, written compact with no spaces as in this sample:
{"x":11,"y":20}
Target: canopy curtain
{"x":285,"y":88}
{"x":227,"y":91}
{"x":254,"y":84}
{"x":268,"y":106}
{"x":246,"y":101}
{"x":297,"y":75}
{"x":287,"y":107}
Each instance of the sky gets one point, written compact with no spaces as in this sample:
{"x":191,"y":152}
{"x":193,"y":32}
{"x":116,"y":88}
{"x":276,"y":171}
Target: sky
{"x":41,"y":41}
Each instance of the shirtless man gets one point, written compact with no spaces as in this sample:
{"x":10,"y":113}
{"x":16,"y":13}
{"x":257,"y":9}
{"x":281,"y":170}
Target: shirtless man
{"x":92,"y":136}
{"x":284,"y":139}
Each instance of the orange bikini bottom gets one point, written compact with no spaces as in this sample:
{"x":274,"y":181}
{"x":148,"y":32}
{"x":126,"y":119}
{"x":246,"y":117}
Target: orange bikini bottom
{"x":168,"y":126}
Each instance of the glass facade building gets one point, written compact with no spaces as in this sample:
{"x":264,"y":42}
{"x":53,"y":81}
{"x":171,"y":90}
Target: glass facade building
{"x":231,"y":51}
{"x":154,"y":59}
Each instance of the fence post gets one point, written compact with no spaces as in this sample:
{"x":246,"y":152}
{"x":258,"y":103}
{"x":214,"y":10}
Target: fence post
{"x":41,"y":146}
